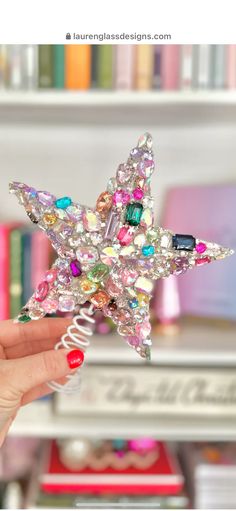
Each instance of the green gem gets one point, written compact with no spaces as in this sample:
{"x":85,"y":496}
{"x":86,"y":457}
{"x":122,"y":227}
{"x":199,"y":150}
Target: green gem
{"x":63,"y":203}
{"x":23,"y":318}
{"x":98,"y":273}
{"x":134,"y":213}
{"x":152,"y":235}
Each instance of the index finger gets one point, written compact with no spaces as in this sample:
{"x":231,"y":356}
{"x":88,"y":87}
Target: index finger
{"x":46,"y":328}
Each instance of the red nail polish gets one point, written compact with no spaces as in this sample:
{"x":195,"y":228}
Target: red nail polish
{"x":75,"y":358}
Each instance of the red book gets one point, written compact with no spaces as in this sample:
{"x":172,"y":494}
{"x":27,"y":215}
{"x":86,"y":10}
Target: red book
{"x":171,"y":67}
{"x":163,"y":478}
{"x":231,"y":66}
{"x":5,"y":230}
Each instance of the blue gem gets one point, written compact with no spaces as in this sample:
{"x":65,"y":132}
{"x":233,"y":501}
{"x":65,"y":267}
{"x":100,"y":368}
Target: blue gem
{"x":183,"y":242}
{"x":148,"y":250}
{"x":133,"y":303}
{"x":63,"y":203}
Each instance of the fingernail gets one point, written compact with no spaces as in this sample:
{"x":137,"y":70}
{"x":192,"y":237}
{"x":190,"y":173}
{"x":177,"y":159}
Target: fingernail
{"x":75,"y":358}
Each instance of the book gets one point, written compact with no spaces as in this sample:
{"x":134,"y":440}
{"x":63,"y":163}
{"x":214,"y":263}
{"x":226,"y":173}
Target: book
{"x":94,"y":65}
{"x":201,"y":67}
{"x":164,"y":477}
{"x":58,"y":66}
{"x":16,"y":265}
{"x":186,"y":73}
{"x":14,"y":67}
{"x":218,"y":66}
{"x":211,"y":291}
{"x":171,"y":67}
{"x":231,"y":66}
{"x":29,"y":66}
{"x":157,"y":64}
{"x":5,"y":230}
{"x":26,"y":263}
{"x":45,"y":64}
{"x":124,"y":66}
{"x":105,"y":66}
{"x":40,"y":256}
{"x":124,"y":391}
{"x":78,"y":66}
{"x":144,"y":67}
{"x":3,"y":66}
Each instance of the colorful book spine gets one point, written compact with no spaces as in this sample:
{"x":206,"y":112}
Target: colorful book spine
{"x":105,"y":66}
{"x":144,"y":67}
{"x":59,"y":66}
{"x":231,"y":66}
{"x":5,"y":230}
{"x":3,"y":66}
{"x":124,"y":68}
{"x":186,"y":72}
{"x":26,"y":264}
{"x":202,"y":66}
{"x":16,"y":266}
{"x":157,"y":64}
{"x":45,"y":66}
{"x":14,"y":56}
{"x":40,"y":257}
{"x":29,"y":66}
{"x":94,"y":66}
{"x":218,"y":66}
{"x":78,"y":66}
{"x":171,"y":67}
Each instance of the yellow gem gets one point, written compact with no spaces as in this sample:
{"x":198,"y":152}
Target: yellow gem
{"x":126,"y":251}
{"x":142,"y":299}
{"x":49,"y":218}
{"x":87,"y":287}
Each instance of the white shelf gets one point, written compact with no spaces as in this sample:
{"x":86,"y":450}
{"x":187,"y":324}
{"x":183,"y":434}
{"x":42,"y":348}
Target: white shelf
{"x":115,"y":98}
{"x":38,"y":420}
{"x":194,"y":346}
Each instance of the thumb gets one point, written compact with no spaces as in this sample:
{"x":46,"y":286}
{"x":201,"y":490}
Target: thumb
{"x":29,"y":372}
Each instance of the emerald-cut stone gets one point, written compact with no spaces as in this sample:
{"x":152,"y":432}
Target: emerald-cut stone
{"x":23,"y":318}
{"x":98,"y":273}
{"x":63,"y":202}
{"x":133,"y":213}
{"x":183,"y":242}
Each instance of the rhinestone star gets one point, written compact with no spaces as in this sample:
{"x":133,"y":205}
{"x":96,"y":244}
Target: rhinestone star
{"x":112,"y":254}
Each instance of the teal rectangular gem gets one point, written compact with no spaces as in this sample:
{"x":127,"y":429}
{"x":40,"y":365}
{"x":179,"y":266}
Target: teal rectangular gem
{"x":134,"y":213}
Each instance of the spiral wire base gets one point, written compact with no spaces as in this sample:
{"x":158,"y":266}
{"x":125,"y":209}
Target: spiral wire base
{"x":76,"y":336}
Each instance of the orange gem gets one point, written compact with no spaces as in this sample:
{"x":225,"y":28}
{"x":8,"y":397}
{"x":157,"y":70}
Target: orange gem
{"x":100,"y":299}
{"x":104,"y":204}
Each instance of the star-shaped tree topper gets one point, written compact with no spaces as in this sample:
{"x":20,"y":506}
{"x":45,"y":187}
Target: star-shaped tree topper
{"x":112,"y":254}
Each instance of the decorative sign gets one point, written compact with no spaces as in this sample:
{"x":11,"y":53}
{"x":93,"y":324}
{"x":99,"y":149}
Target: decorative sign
{"x":157,"y":391}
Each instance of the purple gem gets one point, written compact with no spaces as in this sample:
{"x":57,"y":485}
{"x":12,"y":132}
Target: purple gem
{"x":75,"y":268}
{"x":179,"y":265}
{"x":111,"y":225}
{"x":46,"y":199}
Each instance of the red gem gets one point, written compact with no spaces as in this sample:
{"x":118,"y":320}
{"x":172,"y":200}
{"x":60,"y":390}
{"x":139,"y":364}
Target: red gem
{"x":125,"y":236}
{"x":202,"y":260}
{"x":42,"y":291}
{"x":200,"y":247}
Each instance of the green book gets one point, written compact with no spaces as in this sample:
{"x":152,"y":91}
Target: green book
{"x":45,"y":65}
{"x":58,"y":66}
{"x":16,"y":272}
{"x":105,"y":66}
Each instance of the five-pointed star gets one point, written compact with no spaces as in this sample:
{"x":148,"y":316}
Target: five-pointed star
{"x":110,"y":256}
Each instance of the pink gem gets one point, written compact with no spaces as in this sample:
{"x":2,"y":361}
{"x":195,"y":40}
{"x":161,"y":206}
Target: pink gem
{"x":64,"y":277}
{"x":143,"y":330}
{"x":146,"y":167}
{"x":123,"y":173}
{"x":51,"y":275}
{"x":202,"y":260}
{"x":50,"y":305}
{"x":113,"y":288}
{"x":142,"y":444}
{"x":133,"y":340}
{"x":125,"y":236}
{"x":138,"y":193}
{"x":121,"y":197}
{"x":42,"y":291}
{"x":200,"y":248}
{"x":128,"y":277}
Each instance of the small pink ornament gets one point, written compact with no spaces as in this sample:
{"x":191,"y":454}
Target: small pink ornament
{"x":202,"y":260}
{"x":143,"y":330}
{"x":133,"y":340}
{"x":128,"y":276}
{"x":138,"y":194}
{"x":51,"y":275}
{"x":121,"y":197}
{"x":125,"y":236}
{"x":142,"y":444}
{"x":41,"y":291}
{"x":50,"y":305}
{"x":200,"y":248}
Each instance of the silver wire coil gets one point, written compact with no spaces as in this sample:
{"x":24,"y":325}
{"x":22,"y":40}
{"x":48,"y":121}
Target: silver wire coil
{"x":76,"y":336}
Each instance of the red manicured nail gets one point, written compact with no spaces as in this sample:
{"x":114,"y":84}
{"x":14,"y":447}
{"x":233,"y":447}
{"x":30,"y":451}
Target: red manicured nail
{"x":75,"y":358}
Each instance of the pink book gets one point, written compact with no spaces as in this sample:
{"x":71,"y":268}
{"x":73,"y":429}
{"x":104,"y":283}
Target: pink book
{"x":231,"y":66}
{"x":124,"y":66}
{"x":171,"y":67}
{"x":40,"y":257}
{"x":5,"y":269}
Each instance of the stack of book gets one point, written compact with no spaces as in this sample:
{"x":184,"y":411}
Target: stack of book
{"x":212,"y":472}
{"x":56,"y":486}
{"x":129,"y":67}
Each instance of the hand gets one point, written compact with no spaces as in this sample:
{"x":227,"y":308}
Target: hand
{"x":28,"y":361}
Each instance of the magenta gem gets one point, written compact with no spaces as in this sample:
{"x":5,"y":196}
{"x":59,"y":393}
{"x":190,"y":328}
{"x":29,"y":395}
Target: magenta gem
{"x":200,"y":247}
{"x":121,"y":197}
{"x":75,"y":268}
{"x":42,"y":291}
{"x":125,"y":236}
{"x":133,"y":340}
{"x":202,"y":260}
{"x":138,"y":194}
